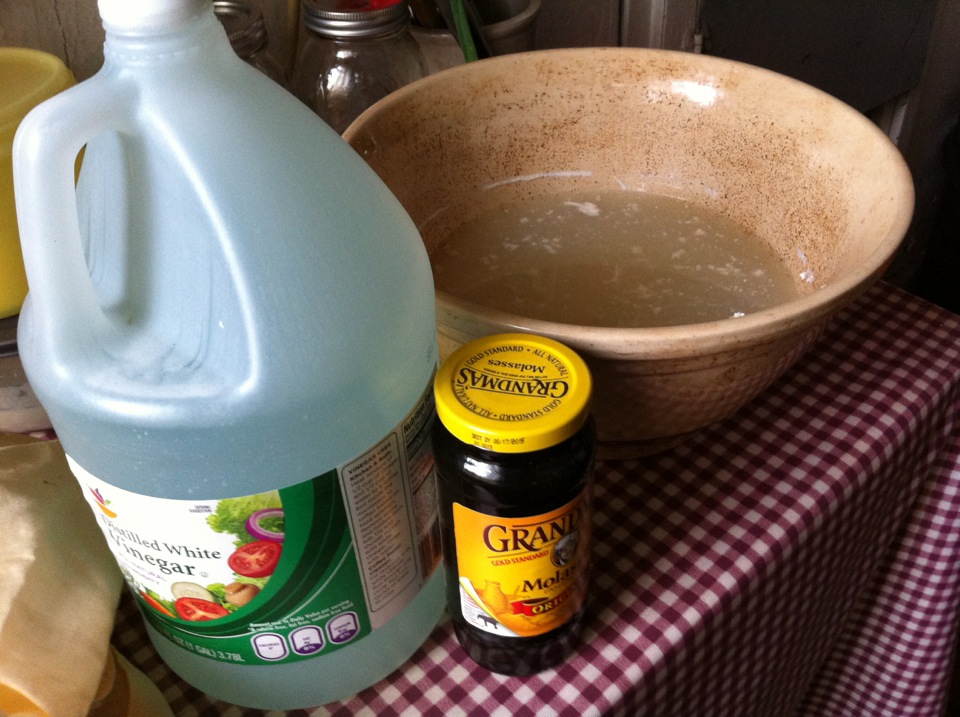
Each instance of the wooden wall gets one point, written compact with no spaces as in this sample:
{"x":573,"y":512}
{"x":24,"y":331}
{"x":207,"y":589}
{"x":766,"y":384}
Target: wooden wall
{"x":71,"y":29}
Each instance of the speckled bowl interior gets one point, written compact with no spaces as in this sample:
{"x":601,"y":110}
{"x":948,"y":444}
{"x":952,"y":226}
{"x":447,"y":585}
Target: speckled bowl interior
{"x":812,"y":177}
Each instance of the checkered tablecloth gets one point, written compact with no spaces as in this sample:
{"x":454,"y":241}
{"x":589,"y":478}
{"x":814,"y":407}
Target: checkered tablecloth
{"x":801,"y":558}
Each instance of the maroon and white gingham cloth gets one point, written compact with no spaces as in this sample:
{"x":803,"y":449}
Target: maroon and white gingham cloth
{"x":799,"y":559}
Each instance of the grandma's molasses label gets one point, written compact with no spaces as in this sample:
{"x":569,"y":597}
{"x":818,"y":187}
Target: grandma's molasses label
{"x":522,"y":577}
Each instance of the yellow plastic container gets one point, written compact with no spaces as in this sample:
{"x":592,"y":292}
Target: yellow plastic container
{"x":27,"y":78}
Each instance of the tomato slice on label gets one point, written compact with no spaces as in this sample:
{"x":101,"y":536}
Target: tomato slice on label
{"x":197,"y":609}
{"x":255,"y":560}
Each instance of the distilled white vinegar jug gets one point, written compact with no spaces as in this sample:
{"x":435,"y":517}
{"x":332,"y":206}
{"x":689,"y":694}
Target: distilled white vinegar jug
{"x":231,"y":325}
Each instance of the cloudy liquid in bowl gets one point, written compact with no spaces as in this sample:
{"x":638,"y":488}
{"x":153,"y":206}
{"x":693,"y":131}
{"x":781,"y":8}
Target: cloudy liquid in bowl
{"x":611,"y":258}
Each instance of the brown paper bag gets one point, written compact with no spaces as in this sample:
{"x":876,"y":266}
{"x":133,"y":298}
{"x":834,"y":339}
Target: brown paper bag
{"x":59,"y":585}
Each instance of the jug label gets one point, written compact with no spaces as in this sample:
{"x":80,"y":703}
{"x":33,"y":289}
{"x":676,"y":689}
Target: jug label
{"x":522,"y":577}
{"x":287,"y":574}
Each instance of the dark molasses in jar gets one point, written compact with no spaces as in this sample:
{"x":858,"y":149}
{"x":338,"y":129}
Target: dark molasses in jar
{"x":515,"y":448}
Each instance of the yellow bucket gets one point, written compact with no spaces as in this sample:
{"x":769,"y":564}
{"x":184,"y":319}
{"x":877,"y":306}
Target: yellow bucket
{"x":27,"y":78}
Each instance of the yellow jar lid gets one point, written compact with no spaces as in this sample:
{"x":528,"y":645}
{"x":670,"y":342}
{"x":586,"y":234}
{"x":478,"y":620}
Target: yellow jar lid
{"x":513,"y":393}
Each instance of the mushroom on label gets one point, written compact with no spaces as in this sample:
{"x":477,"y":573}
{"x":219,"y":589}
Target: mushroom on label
{"x":240,"y":594}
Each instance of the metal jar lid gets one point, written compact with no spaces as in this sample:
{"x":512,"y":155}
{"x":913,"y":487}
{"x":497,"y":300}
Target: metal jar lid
{"x":354,"y":18}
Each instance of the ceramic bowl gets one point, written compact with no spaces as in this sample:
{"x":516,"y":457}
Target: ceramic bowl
{"x":805,"y":172}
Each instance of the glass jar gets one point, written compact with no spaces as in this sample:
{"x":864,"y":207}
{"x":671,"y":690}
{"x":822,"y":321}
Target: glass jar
{"x":514,"y":448}
{"x":248,"y":36}
{"x":351,"y":54}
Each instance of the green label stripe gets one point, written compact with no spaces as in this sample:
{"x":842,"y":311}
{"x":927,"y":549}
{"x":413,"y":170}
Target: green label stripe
{"x":315,"y":513}
{"x":317,"y":548}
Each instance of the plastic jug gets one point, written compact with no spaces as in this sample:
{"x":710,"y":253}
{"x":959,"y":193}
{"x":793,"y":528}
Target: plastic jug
{"x":231,"y":325}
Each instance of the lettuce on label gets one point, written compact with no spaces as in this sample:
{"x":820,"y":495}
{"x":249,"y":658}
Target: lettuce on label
{"x":232,"y":514}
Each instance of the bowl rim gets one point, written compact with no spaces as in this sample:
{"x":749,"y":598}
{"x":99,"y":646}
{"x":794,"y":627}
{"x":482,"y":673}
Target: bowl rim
{"x":704,"y":338}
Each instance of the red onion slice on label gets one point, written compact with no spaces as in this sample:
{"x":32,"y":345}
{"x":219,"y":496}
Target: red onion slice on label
{"x":258,"y":531}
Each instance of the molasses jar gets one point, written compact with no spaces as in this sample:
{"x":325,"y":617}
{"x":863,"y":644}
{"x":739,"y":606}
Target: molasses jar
{"x":515,"y":447}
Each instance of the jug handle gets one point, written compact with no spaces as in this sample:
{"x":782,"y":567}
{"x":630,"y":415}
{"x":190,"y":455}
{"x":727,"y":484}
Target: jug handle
{"x":48,"y":141}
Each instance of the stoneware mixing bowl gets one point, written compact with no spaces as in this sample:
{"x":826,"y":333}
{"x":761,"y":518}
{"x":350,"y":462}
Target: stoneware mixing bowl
{"x":808,"y":174}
